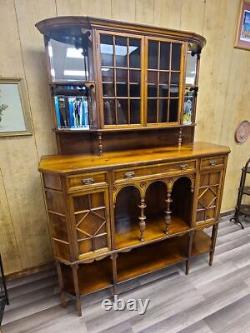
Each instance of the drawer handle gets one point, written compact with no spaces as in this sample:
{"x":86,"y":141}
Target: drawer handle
{"x":129,"y":174}
{"x":212,"y":162}
{"x":87,"y":181}
{"x":183,"y":166}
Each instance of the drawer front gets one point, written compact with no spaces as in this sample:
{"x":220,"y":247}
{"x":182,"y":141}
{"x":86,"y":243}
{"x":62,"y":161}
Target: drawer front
{"x":85,"y":180}
{"x":150,"y":170}
{"x":212,"y":162}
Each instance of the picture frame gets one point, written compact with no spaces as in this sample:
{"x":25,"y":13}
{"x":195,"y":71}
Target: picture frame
{"x":14,"y":108}
{"x":243,"y":28}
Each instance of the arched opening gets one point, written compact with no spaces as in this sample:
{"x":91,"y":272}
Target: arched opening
{"x":155,"y":200}
{"x":181,"y":205}
{"x":126,"y":216}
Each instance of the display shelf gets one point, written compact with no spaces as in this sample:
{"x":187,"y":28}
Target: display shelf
{"x":149,"y":258}
{"x":154,"y":230}
{"x":159,"y":255}
{"x":92,"y":277}
{"x":71,"y":83}
{"x":128,"y":129}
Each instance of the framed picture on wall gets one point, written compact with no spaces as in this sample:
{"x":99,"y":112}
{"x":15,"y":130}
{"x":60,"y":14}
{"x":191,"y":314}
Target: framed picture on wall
{"x":14,"y":111}
{"x":243,"y":29}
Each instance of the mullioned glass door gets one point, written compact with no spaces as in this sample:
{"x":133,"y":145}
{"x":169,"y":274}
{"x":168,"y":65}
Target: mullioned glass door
{"x":121,"y":79}
{"x":164,"y":81}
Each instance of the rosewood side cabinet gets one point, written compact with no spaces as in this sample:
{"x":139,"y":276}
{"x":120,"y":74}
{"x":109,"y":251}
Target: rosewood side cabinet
{"x":129,"y":191}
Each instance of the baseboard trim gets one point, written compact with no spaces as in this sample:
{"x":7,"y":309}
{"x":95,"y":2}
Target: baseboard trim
{"x":32,"y":270}
{"x":227,"y":213}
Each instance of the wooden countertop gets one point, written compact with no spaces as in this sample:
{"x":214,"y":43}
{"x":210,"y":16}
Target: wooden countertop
{"x":67,"y":164}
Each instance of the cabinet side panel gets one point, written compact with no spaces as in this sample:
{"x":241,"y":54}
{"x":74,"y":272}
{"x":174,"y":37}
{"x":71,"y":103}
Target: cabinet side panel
{"x":58,"y":224}
{"x":52,"y":181}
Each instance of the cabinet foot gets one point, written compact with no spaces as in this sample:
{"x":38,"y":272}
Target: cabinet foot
{"x":77,"y":291}
{"x":213,"y":243}
{"x":187,"y":267}
{"x":63,"y":300}
{"x":211,"y":258}
{"x":79,"y":307}
{"x":114,"y":291}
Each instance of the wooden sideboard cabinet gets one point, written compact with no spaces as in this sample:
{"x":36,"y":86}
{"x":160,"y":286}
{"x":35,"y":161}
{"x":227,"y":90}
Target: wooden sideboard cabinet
{"x":132,"y":207}
{"x":129,"y":192}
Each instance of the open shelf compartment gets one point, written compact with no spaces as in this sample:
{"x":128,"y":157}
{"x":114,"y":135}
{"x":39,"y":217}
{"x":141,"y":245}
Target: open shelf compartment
{"x":98,"y":275}
{"x":150,"y":258}
{"x":92,"y":277}
{"x":127,"y":212}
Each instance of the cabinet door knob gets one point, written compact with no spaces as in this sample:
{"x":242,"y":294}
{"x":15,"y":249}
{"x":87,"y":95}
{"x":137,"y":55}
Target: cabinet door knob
{"x":183,"y":166}
{"x":87,"y":181}
{"x":129,"y":174}
{"x":212,"y":162}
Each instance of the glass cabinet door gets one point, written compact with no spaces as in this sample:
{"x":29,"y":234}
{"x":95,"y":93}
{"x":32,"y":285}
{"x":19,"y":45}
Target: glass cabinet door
{"x":190,"y":86}
{"x":163,"y":81}
{"x":121,"y":76}
{"x":69,"y":54}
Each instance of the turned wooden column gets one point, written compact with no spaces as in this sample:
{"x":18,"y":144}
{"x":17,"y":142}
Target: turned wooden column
{"x":168,"y":212}
{"x":142,"y":218}
{"x":180,"y":137}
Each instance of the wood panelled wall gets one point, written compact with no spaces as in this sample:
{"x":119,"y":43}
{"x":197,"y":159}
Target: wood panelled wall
{"x":223,"y":102}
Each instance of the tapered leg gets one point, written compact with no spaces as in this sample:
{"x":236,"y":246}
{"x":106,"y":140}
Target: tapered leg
{"x":77,"y":291}
{"x":190,"y":244}
{"x":114,"y":271}
{"x":63,"y":299}
{"x":213,"y":243}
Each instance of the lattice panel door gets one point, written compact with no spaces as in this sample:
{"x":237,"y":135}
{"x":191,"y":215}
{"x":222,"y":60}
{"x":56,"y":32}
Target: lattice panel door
{"x":208,"y":197}
{"x":91,"y":221}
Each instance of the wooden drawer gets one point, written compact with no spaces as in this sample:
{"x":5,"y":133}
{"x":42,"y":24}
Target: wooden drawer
{"x":150,"y":170}
{"x":212,"y":162}
{"x":81,"y":181}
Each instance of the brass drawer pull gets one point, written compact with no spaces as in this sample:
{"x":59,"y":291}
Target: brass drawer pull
{"x":87,"y":181}
{"x":129,"y":174}
{"x":212,"y":162}
{"x":183,"y":166}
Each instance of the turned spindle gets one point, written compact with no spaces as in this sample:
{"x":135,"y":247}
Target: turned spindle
{"x":142,"y":218}
{"x":168,"y":210}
